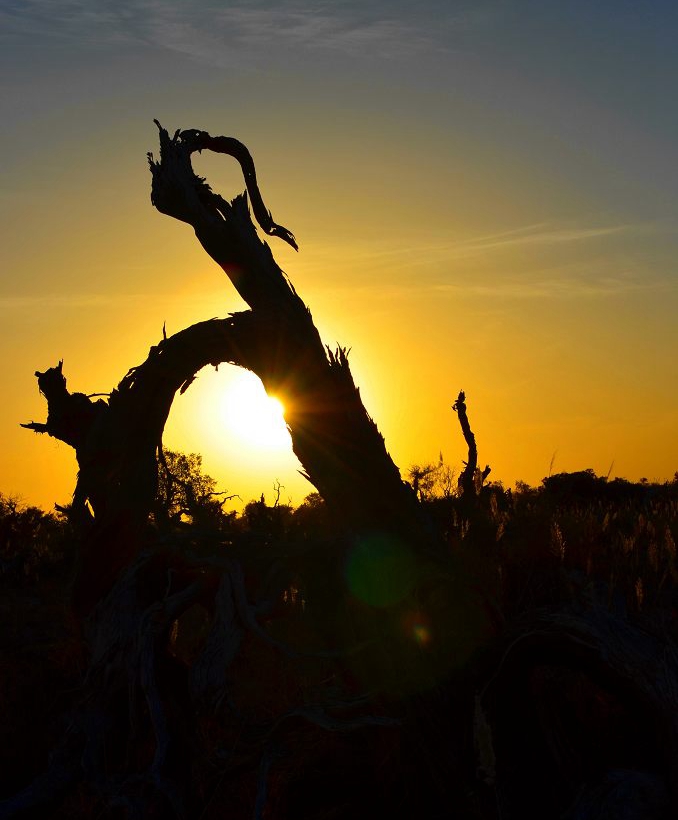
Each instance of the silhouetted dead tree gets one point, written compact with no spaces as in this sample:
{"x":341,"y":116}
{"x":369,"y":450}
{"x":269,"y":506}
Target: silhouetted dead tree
{"x":471,"y":479}
{"x":130,"y":588}
{"x":336,"y":441}
{"x":338,"y":444}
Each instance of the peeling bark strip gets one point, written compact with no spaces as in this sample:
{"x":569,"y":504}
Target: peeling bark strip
{"x":235,"y":149}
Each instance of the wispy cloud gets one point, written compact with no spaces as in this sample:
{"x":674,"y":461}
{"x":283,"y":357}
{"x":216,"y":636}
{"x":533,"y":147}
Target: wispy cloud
{"x":540,"y":236}
{"x":538,"y":286}
{"x":61,"y":19}
{"x":93,"y":301}
{"x":55,"y":301}
{"x":322,"y":29}
{"x":583,"y":286}
{"x":235,"y":33}
{"x":482,"y":266}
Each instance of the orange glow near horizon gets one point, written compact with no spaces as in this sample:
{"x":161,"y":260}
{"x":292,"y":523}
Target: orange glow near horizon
{"x":543,"y":375}
{"x":240,"y":431}
{"x":444,"y":262}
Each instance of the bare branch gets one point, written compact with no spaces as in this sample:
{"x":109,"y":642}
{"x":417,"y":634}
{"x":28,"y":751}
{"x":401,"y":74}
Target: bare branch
{"x":470,"y":480}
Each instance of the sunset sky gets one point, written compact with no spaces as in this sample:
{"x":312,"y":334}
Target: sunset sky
{"x":483,"y":194}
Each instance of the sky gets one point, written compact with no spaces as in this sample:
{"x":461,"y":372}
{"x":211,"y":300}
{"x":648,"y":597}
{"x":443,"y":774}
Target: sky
{"x":483,"y":194}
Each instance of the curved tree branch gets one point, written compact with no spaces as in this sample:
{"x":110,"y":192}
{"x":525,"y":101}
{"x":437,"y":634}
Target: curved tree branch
{"x":198,"y":140}
{"x":338,"y":444}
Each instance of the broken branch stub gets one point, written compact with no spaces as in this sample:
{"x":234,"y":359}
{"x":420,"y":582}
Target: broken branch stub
{"x":471,"y":479}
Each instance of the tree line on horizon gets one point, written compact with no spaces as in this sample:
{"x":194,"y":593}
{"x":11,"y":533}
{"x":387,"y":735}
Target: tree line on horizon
{"x":622,"y":517}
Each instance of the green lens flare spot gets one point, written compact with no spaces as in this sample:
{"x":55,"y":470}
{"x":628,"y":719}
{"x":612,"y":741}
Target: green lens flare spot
{"x":380,"y":570}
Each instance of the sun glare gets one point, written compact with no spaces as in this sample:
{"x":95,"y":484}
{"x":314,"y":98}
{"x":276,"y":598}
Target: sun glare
{"x":254,"y":417}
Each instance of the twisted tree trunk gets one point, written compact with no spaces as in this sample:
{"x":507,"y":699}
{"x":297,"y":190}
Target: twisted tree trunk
{"x":341,"y":450}
{"x":336,"y":441}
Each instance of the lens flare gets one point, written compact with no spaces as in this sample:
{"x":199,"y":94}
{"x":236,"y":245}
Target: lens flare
{"x":380,"y":570}
{"x":417,"y":627}
{"x":422,"y":634}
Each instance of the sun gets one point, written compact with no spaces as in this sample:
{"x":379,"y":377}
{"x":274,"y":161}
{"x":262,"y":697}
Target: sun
{"x":253,"y":417}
